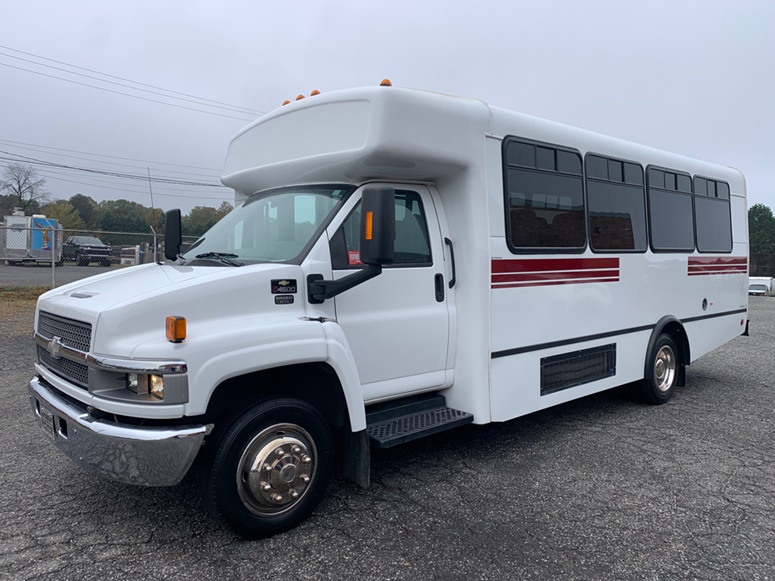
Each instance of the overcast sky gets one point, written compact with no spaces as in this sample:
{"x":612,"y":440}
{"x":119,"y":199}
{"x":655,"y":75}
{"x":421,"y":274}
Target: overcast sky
{"x":693,"y":77}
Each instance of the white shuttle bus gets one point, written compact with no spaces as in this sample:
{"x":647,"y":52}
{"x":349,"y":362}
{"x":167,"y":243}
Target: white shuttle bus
{"x":399,"y":263}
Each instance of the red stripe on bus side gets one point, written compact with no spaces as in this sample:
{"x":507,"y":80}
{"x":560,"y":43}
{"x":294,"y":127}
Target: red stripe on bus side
{"x":554,"y":282}
{"x":546,"y":276}
{"x":551,"y":264}
{"x":717,"y":260}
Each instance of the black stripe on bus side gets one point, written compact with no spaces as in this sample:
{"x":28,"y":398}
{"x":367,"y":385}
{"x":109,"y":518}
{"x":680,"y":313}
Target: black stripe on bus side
{"x":552,"y":344}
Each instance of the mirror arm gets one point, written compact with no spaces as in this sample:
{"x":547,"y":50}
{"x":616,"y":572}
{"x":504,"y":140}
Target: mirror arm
{"x":318,"y":290}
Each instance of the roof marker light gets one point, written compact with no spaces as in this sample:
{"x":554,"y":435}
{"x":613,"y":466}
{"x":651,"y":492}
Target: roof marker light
{"x":386,"y":83}
{"x":315,"y":92}
{"x":299,"y":97}
{"x":286,"y":102}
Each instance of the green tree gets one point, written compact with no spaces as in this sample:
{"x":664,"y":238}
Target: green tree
{"x":87,"y":209}
{"x":124,"y":216}
{"x":761,"y":237}
{"x":199,"y":220}
{"x":67,"y":215}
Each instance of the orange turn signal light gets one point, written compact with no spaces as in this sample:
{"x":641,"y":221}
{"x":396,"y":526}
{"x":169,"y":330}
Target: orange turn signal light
{"x":369,"y":225}
{"x":176,"y":329}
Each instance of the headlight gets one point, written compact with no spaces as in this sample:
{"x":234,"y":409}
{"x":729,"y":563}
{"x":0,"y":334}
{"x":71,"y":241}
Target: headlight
{"x":141,"y":383}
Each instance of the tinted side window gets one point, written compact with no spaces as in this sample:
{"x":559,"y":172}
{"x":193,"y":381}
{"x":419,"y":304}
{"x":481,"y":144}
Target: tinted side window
{"x":671,"y":213}
{"x":617,"y":211}
{"x":545,"y":200}
{"x":713,"y":216}
{"x":412,"y":242}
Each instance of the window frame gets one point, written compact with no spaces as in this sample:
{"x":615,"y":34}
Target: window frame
{"x":727,"y":201}
{"x":505,"y":166}
{"x":676,"y":192}
{"x":337,"y":245}
{"x":643,"y":187}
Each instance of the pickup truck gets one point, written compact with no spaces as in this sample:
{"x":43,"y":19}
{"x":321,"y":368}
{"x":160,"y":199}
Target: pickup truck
{"x":86,"y":249}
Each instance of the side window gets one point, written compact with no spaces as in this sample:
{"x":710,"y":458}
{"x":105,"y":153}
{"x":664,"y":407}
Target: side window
{"x":544,"y":197}
{"x":412,"y":242}
{"x":617,"y":205}
{"x":713,"y":217}
{"x":671,"y":215}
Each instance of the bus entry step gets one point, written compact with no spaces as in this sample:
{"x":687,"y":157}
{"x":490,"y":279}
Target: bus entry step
{"x":388,"y":427}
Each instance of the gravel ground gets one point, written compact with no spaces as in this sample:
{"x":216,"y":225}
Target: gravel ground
{"x":601,"y":488}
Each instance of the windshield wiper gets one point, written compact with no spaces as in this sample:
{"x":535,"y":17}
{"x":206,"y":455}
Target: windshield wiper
{"x":223,"y":257}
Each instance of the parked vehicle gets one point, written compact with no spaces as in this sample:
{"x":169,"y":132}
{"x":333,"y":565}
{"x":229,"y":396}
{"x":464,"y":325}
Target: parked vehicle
{"x":31,"y":239}
{"x":761,"y":286}
{"x":400,"y":263}
{"x":85,"y":250}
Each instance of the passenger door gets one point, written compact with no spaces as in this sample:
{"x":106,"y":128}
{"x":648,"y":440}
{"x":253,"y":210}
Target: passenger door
{"x":397,"y":324}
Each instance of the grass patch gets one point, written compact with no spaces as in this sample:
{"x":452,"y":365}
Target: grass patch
{"x":21,"y":293}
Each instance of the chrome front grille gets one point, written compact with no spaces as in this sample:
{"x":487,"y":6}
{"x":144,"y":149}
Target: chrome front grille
{"x":73,"y":334}
{"x":76,"y":372}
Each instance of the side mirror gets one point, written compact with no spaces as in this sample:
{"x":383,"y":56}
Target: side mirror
{"x":173,"y":237}
{"x":378,"y":225}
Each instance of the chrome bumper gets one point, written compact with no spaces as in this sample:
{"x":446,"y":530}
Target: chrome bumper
{"x":147,"y":456}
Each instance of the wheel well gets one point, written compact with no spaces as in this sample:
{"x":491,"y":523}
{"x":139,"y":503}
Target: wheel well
{"x":673,"y":327}
{"x":316,"y":383}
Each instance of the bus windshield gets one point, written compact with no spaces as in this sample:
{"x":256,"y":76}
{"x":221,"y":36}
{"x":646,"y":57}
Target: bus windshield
{"x":273,"y":226}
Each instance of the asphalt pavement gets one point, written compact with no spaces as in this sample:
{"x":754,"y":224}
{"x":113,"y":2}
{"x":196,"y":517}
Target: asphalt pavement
{"x":601,"y":488}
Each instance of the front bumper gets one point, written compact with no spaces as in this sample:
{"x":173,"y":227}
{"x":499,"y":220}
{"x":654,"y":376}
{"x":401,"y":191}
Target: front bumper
{"x":146,"y":456}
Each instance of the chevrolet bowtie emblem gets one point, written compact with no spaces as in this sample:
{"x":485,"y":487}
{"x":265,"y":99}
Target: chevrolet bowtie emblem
{"x":54,"y":346}
{"x":284,"y":283}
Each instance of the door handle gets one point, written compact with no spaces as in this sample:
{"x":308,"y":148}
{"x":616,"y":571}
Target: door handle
{"x":439,"y":287}
{"x":448,"y":242}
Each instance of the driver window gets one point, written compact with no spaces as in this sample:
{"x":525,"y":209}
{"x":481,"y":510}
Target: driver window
{"x":412,"y":242}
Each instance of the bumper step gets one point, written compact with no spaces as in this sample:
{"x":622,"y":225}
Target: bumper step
{"x":394,"y":424}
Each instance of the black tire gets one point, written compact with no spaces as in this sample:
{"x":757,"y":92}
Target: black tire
{"x":106,"y":262}
{"x":289,"y":446}
{"x":663,"y":366}
{"x":81,"y":261}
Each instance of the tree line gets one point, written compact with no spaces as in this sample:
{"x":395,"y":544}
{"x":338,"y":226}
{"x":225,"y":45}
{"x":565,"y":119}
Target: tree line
{"x":22,"y":187}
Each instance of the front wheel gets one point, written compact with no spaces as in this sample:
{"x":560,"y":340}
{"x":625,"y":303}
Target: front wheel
{"x":268,"y":469}
{"x":664,"y":365}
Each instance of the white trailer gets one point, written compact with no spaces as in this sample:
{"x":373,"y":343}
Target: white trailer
{"x":31,"y":239}
{"x":400,"y":263}
{"x":761,"y":286}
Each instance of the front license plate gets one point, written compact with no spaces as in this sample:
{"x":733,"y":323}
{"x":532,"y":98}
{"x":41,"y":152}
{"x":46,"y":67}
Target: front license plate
{"x":47,"y":422}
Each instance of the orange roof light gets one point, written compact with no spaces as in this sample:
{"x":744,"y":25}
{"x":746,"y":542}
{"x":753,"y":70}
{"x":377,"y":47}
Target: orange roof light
{"x":176,"y":329}
{"x":299,"y":97}
{"x":286,"y":102}
{"x":386,"y":83}
{"x":315,"y":92}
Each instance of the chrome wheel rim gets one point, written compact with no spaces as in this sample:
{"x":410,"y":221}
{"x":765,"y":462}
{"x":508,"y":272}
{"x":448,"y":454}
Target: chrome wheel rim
{"x":276,"y":469}
{"x":664,"y":369}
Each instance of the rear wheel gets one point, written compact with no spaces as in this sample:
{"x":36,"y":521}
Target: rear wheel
{"x":268,"y":469}
{"x":664,"y":364}
{"x":81,"y":260}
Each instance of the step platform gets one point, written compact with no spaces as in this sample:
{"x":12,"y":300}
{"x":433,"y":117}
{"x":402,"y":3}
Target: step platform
{"x":394,"y":423}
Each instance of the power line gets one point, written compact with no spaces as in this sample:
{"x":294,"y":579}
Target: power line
{"x":111,"y":156}
{"x":35,"y":161}
{"x":128,"y":80}
{"x":38,"y":150}
{"x":137,"y":192}
{"x":195,"y":100}
{"x":125,"y":94}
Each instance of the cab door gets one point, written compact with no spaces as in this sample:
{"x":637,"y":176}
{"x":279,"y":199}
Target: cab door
{"x":397,"y":324}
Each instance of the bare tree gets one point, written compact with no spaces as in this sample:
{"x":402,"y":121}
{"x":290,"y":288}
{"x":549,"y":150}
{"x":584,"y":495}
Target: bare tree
{"x":24,"y":186}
